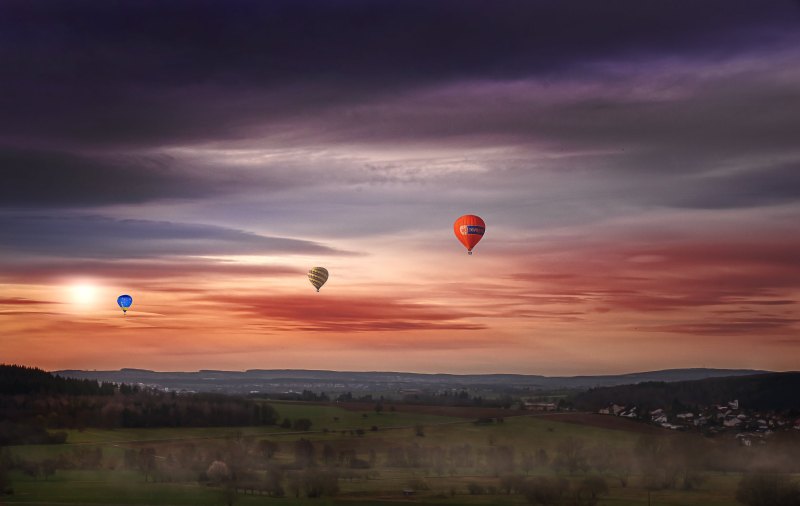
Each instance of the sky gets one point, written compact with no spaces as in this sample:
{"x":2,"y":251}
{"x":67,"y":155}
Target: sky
{"x":637,"y":165}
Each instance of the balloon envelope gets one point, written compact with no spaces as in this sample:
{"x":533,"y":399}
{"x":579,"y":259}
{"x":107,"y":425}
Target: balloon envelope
{"x":318,"y":276}
{"x":469,"y":229}
{"x":124,"y":302}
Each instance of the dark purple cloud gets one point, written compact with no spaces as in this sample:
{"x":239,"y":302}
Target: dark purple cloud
{"x":36,"y":178}
{"x":100,"y":237}
{"x":150,"y":73}
{"x":61,"y":179}
{"x":38,"y":271}
{"x":744,"y":188}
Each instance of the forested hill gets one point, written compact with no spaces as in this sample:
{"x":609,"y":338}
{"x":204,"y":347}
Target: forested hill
{"x":32,"y":400}
{"x":16,"y":379}
{"x":761,"y":392}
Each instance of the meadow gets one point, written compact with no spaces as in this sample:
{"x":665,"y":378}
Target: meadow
{"x":431,"y":469}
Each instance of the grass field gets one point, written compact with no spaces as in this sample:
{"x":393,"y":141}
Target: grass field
{"x":336,"y":418}
{"x":382,"y":485}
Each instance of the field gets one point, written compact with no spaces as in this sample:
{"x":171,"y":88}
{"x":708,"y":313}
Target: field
{"x":112,"y":483}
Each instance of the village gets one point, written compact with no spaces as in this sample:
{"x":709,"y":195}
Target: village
{"x":750,"y":427}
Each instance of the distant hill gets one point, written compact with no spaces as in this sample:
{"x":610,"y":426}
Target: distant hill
{"x":284,"y":380}
{"x":761,"y":392}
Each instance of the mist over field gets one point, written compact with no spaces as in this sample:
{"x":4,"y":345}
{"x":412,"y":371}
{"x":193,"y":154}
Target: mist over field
{"x":70,"y":440}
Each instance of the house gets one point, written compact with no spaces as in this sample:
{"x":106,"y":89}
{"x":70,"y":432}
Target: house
{"x":734,"y":404}
{"x":685,"y":416}
{"x":540,"y":406}
{"x":661,"y":419}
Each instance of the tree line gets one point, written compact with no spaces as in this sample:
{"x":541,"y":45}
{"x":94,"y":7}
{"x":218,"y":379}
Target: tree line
{"x":32,"y":400}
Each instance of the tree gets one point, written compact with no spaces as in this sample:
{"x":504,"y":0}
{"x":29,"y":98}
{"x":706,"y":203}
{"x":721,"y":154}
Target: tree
{"x":542,"y":459}
{"x":501,"y":459}
{"x":317,"y":483}
{"x":30,"y":468}
{"x":378,"y":407}
{"x":655,"y":463}
{"x":621,"y":465}
{"x":3,"y":478}
{"x":267,"y":448}
{"x":600,"y":457}
{"x":49,"y":467}
{"x":328,"y":454}
{"x":590,"y":490}
{"x":273,"y":480}
{"x":229,"y":493}
{"x":295,"y":485}
{"x":527,"y":462}
{"x":768,"y":490}
{"x":302,"y":424}
{"x":304,"y":452}
{"x":546,"y":491}
{"x":146,"y":462}
{"x":475,"y":488}
{"x":572,"y":455}
{"x":218,"y":472}
{"x":512,"y":483}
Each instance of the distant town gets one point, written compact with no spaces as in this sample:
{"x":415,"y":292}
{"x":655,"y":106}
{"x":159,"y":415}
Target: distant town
{"x":750,"y":426}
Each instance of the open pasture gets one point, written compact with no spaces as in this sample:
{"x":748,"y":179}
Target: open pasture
{"x":448,"y":482}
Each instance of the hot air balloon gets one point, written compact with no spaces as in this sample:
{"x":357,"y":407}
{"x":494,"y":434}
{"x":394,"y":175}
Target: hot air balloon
{"x":124,"y":302}
{"x":318,"y":276}
{"x":469,"y":229}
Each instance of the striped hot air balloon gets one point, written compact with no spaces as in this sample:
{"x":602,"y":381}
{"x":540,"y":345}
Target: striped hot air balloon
{"x":469,"y":229}
{"x":318,"y":276}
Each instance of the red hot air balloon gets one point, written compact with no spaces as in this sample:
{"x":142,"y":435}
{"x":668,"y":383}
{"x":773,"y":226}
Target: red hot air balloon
{"x":469,"y":230}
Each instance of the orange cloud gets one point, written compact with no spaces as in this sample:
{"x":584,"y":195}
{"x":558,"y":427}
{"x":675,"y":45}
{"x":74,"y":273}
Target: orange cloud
{"x":346,"y":314}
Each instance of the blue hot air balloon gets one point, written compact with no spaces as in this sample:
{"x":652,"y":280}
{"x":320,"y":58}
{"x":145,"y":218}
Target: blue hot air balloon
{"x":124,"y":302}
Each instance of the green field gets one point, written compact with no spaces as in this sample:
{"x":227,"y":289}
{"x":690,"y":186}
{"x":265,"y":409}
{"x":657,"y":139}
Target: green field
{"x":382,"y":483}
{"x":334,"y":418}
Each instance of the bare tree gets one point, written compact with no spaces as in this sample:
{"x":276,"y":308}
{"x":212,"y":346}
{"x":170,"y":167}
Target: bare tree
{"x":572,"y":455}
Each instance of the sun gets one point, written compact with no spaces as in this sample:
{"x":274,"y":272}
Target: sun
{"x":84,"y":294}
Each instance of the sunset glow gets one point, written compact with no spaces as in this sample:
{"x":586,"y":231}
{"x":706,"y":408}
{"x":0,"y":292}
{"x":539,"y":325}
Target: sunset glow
{"x":82,"y":294}
{"x":641,"y":207}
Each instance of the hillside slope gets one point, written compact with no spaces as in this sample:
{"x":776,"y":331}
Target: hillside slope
{"x":762,"y":392}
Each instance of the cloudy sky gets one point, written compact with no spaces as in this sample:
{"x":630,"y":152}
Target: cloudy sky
{"x":637,"y":165}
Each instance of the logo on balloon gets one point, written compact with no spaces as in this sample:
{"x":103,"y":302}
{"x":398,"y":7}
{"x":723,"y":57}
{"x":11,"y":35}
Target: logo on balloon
{"x":471,"y":230}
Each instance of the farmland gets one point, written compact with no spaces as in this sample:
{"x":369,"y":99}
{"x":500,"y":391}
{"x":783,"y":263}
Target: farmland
{"x":436,"y":459}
